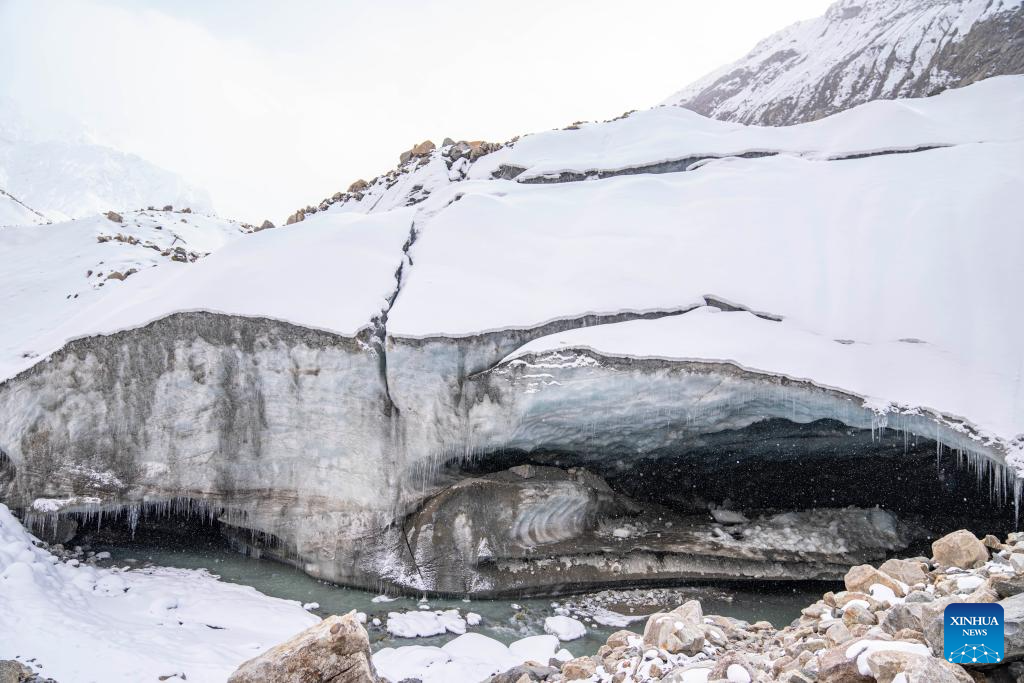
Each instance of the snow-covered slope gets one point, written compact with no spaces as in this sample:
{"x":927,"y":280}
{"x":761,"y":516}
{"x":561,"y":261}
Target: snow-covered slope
{"x":81,"y":623}
{"x":666,"y":139}
{"x":62,"y":174}
{"x":69,"y":271}
{"x":862,"y":50}
{"x":14,"y":212}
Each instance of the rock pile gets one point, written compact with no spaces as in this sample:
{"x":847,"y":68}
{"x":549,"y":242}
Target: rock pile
{"x":451,"y":152}
{"x":885,"y":627}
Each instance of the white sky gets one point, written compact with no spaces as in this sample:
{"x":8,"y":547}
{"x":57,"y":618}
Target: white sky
{"x":274,"y":105}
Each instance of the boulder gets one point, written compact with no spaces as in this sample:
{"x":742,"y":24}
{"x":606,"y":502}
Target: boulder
{"x":358,"y":186}
{"x":336,"y":650}
{"x":114,"y":216}
{"x":1013,"y":627}
{"x":12,"y":671}
{"x":620,"y":639}
{"x":423,"y":149}
{"x":960,"y":549}
{"x":578,"y":669}
{"x":910,"y":572}
{"x":1008,"y":587}
{"x":932,"y":620}
{"x":855,"y":614}
{"x":677,"y":631}
{"x":885,"y":665}
{"x":903,"y":616}
{"x":266,"y":225}
{"x":863,"y":576}
{"x":835,"y":667}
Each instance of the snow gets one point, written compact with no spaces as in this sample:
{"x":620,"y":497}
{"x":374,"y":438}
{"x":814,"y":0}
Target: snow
{"x":88,"y":624}
{"x":60,"y":272}
{"x":566,"y":628}
{"x":333,"y":272}
{"x":469,"y":658}
{"x":971,"y":114}
{"x":737,"y":674}
{"x":883,"y":372}
{"x":858,"y":250}
{"x":425,"y":623}
{"x":535,"y":648}
{"x":15,"y":212}
{"x":966,"y":584}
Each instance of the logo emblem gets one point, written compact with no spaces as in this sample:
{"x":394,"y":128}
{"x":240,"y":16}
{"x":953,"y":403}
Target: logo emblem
{"x":973,"y":633}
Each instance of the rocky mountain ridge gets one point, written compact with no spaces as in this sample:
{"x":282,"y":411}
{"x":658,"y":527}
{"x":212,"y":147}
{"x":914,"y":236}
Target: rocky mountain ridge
{"x":862,"y":50}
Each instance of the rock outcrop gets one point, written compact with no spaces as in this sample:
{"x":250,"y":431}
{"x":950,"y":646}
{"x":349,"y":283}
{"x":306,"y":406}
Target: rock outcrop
{"x":337,"y":650}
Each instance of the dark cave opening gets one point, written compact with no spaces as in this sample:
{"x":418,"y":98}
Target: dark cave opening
{"x":183,"y":525}
{"x":777,"y":465}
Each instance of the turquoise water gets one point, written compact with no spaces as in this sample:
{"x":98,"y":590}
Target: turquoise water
{"x":504,"y":620}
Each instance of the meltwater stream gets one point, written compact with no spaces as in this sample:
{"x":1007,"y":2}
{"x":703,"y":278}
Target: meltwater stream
{"x":504,"y":620}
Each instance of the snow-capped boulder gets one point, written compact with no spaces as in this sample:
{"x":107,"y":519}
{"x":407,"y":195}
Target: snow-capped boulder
{"x":337,"y":650}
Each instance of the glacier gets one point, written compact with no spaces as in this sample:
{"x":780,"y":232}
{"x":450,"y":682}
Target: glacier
{"x":545,"y":337}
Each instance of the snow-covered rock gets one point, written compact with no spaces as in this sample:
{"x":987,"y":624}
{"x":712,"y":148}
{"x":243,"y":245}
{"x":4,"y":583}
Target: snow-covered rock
{"x":425,"y":623}
{"x":862,"y":50}
{"x":565,"y":628}
{"x":469,"y":658}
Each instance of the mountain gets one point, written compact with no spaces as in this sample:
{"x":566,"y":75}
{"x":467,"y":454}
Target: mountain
{"x":62,"y":174}
{"x":863,"y":50}
{"x":485,"y":364}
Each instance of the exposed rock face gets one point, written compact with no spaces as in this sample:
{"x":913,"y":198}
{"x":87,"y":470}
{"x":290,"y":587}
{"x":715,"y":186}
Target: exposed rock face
{"x":337,"y":650}
{"x":863,"y":50}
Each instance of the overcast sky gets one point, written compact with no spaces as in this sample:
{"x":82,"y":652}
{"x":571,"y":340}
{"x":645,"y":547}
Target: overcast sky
{"x":273,"y":105}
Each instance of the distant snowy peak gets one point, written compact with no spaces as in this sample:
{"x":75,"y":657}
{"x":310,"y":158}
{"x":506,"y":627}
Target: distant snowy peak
{"x":863,"y":50}
{"x":77,"y":179}
{"x":56,"y":167}
{"x":14,"y":212}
